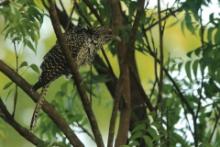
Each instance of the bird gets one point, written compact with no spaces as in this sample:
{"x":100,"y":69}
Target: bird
{"x":83,"y":44}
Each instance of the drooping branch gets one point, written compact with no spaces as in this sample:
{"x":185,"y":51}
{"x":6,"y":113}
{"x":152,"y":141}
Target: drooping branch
{"x":48,"y":108}
{"x":7,"y":117}
{"x":75,"y":73}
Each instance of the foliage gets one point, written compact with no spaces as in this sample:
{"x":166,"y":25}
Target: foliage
{"x":188,"y":112}
{"x":22,"y":22}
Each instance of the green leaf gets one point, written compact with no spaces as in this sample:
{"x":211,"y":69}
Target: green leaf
{"x":23,"y":64}
{"x":195,"y":68}
{"x":7,"y":85}
{"x":139,"y":127}
{"x":210,"y":34}
{"x":153,"y":133}
{"x":189,"y":23}
{"x":77,"y":118}
{"x":148,"y":141}
{"x":217,"y":34}
{"x":30,"y":45}
{"x":35,"y":68}
{"x":100,"y":79}
{"x":188,"y":70}
{"x":136,"y":135}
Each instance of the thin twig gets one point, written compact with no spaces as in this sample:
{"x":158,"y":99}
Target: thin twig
{"x":163,"y":18}
{"x":70,"y":17}
{"x":85,"y":131}
{"x":161,"y":50}
{"x":153,"y":89}
{"x":178,"y":91}
{"x":118,"y":94}
{"x":62,"y":6}
{"x":82,"y":14}
{"x":16,"y":87}
{"x":107,"y":61}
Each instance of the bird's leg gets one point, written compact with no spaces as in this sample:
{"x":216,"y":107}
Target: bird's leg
{"x":38,"y":107}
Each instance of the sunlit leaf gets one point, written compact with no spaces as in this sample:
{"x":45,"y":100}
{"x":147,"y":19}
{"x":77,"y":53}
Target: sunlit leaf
{"x":35,"y":68}
{"x":23,"y":64}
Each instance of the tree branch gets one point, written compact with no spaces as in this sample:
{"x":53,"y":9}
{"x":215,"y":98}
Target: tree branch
{"x":76,"y":75}
{"x":124,"y":123}
{"x":48,"y":108}
{"x":7,"y":117}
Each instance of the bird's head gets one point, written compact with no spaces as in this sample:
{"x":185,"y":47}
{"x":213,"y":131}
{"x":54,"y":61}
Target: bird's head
{"x":104,"y":34}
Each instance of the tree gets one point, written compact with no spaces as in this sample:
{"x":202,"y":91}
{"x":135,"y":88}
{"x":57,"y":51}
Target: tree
{"x":183,"y":89}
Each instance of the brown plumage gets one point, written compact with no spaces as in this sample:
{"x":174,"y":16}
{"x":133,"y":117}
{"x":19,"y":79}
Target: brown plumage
{"x":83,"y":44}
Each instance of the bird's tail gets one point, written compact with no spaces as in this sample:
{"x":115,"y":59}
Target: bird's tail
{"x":38,"y":106}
